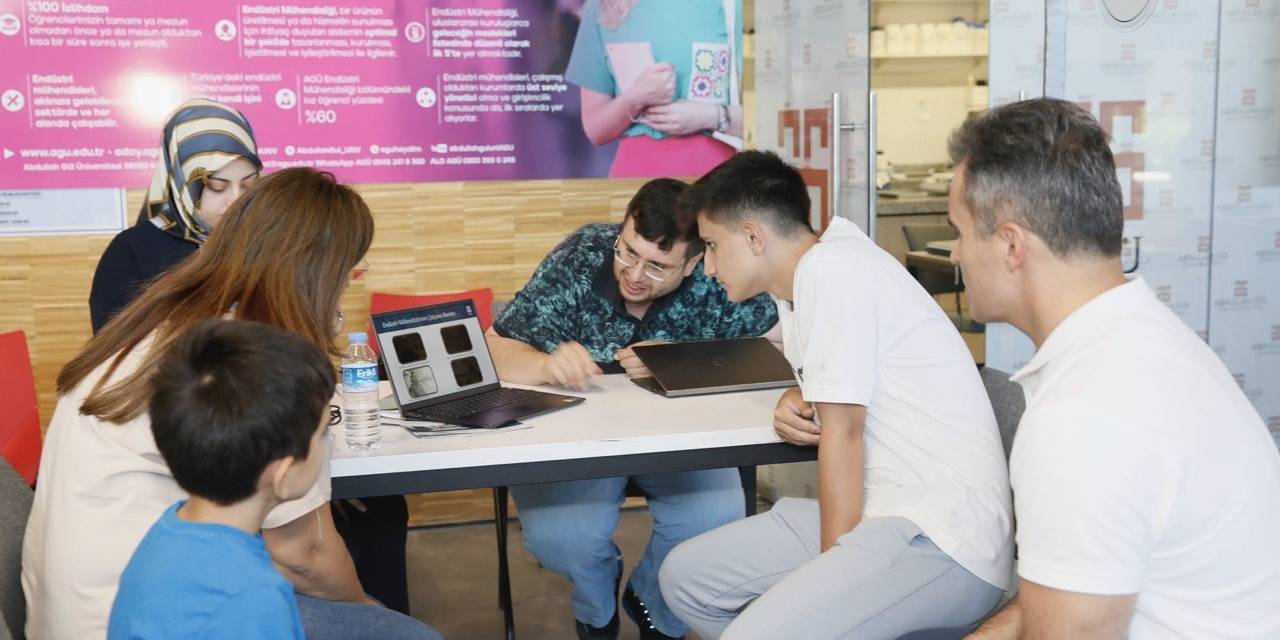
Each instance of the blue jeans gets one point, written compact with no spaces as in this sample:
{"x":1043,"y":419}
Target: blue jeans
{"x":568,"y":527}
{"x":330,"y":620}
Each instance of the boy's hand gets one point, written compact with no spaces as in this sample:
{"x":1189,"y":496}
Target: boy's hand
{"x":793,"y":419}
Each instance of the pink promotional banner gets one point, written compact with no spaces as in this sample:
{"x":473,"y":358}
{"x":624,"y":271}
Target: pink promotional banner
{"x":374,"y":90}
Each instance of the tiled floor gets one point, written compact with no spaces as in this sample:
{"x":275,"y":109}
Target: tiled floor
{"x":453,"y":582}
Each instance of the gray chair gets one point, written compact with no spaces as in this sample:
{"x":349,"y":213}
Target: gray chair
{"x":1008,"y":402}
{"x":15,"y":504}
{"x":497,"y":307}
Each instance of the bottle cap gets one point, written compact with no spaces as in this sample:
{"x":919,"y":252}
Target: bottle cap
{"x":357,"y":337}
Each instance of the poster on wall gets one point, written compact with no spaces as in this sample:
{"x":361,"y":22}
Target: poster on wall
{"x":1197,"y":155}
{"x":805,"y":51}
{"x":1244,"y":304}
{"x":1016,"y":68}
{"x":374,"y":90}
{"x":61,"y":211}
{"x":1155,"y":98}
{"x":1017,"y":72}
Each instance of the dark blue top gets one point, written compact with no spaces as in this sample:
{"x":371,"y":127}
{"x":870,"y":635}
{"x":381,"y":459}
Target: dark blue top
{"x":200,"y":580}
{"x":573,"y":295}
{"x":135,"y":256}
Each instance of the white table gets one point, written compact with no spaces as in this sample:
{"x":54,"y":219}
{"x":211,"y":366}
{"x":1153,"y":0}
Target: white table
{"x":621,"y":430}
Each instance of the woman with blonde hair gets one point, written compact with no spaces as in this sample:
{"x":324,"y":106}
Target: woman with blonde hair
{"x":282,"y":255}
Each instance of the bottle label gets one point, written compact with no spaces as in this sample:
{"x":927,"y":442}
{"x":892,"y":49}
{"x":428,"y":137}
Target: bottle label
{"x":359,"y":378}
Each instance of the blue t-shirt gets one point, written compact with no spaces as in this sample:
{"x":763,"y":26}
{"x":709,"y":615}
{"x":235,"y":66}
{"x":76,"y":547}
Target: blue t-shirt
{"x":689,"y":34}
{"x":573,"y":295}
{"x":199,"y":580}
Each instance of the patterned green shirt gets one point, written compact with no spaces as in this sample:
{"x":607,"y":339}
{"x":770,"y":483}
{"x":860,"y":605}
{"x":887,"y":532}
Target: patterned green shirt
{"x":573,"y":296}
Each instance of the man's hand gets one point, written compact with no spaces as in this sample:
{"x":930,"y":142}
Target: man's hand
{"x":570,"y":366}
{"x":631,"y":362}
{"x":793,"y":419}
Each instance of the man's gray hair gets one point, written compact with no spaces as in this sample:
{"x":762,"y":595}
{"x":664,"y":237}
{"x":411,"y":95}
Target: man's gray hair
{"x":1044,"y":164}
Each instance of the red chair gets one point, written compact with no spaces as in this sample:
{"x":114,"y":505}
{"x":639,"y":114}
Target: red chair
{"x":384,"y":302}
{"x":20,"y":421}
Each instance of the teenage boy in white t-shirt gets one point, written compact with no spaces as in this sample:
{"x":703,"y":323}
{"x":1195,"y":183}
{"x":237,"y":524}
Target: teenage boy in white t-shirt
{"x":1147,"y":488}
{"x":911,"y":528}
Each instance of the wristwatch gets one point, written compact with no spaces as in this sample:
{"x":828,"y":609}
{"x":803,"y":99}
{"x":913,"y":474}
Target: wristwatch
{"x":723,"y":124}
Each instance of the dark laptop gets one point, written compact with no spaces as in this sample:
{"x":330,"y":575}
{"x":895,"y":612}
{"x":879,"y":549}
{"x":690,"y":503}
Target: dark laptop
{"x":714,"y":366}
{"x":440,"y":369}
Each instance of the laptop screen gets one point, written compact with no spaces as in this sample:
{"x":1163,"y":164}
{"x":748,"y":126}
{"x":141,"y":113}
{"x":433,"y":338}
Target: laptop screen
{"x":434,"y":353}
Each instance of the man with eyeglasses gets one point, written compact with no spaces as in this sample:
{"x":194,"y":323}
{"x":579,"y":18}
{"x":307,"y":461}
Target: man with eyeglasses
{"x":603,"y":290}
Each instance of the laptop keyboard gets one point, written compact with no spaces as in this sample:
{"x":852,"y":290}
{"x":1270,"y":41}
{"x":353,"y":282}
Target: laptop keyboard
{"x":463,"y":407}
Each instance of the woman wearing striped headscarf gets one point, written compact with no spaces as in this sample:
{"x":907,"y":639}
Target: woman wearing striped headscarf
{"x":208,"y":157}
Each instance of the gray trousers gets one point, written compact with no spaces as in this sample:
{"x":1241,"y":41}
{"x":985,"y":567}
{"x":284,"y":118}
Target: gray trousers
{"x":881,"y":580}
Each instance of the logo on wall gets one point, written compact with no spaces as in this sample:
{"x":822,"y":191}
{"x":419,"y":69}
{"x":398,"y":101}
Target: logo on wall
{"x":1121,"y":119}
{"x":1164,"y":293}
{"x":802,"y":124}
{"x":1126,"y":15}
{"x":1241,"y":289}
{"x":10,"y":25}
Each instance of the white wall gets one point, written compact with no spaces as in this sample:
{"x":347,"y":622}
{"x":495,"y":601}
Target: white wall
{"x":914,"y":123}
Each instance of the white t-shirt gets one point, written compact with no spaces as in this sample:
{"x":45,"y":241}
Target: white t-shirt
{"x":862,"y":331}
{"x":101,"y":487}
{"x":1140,"y":467}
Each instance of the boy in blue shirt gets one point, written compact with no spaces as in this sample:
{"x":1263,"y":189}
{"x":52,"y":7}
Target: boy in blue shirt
{"x":238,"y":410}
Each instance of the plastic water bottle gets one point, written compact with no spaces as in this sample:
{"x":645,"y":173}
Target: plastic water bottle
{"x":360,"y":418}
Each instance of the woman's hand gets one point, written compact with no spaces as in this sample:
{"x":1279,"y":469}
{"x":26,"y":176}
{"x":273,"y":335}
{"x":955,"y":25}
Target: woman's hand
{"x":655,"y":86}
{"x":683,"y":118}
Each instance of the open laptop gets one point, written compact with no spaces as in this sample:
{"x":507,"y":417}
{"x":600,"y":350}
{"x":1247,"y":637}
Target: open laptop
{"x":714,"y":366}
{"x":440,"y":369}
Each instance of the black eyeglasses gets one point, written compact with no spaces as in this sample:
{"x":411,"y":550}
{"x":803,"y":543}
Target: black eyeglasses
{"x":335,"y":415}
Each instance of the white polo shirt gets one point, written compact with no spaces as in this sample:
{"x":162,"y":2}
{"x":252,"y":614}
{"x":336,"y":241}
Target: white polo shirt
{"x":862,"y":331}
{"x":101,"y":487}
{"x":1140,"y":467}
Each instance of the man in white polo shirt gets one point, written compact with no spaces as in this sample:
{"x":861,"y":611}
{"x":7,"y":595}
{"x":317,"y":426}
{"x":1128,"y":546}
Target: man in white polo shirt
{"x":1146,"y":488}
{"x":911,"y":528}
